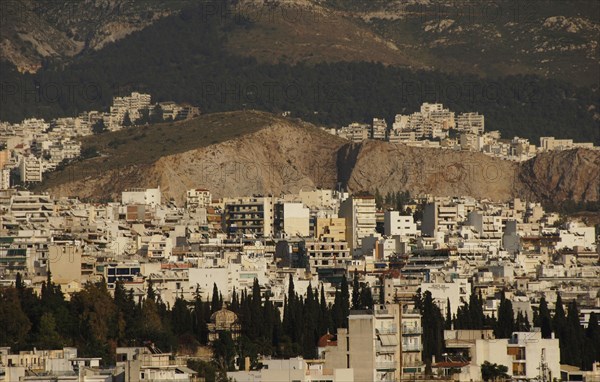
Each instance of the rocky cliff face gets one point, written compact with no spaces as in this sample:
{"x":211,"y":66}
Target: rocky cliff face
{"x":286,"y":157}
{"x":388,"y":167}
{"x":562,"y":175}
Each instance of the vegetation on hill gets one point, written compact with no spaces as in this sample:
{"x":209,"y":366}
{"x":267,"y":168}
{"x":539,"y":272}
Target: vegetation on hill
{"x":182,"y":58}
{"x":142,"y":145}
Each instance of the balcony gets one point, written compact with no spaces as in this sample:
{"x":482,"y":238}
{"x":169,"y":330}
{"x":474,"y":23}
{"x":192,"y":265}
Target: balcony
{"x":388,"y":365}
{"x":385,"y":349}
{"x":412,"y":347}
{"x":388,"y":330}
{"x":412,"y":330}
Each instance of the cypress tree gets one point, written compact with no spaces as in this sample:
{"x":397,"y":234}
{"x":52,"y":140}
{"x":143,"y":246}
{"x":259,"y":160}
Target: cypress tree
{"x":448,"y":323}
{"x":574,"y":336}
{"x":592,"y":342}
{"x":366,"y":298}
{"x":433,"y":320}
{"x":505,"y":325}
{"x":215,"y":302}
{"x":543,"y":320}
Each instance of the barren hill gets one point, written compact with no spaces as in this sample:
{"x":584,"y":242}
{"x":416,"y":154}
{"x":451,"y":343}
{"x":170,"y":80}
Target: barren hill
{"x":244,"y":153}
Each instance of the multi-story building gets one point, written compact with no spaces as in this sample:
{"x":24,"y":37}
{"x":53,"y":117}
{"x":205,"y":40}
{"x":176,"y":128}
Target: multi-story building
{"x":359,"y":213}
{"x":527,"y":356}
{"x":130,"y":105}
{"x":293,"y":369}
{"x":30,"y":169}
{"x":438,"y":216}
{"x":397,"y":224}
{"x":371,"y":345}
{"x":249,"y":216}
{"x":488,"y":226}
{"x":379,"y":129}
{"x":197,"y":198}
{"x":140,"y":364}
{"x":145,"y":196}
{"x":412,"y":345}
{"x":470,"y":123}
{"x":292,"y":219}
{"x":327,"y":253}
{"x":456,"y":292}
{"x":4,"y":178}
{"x":330,"y":228}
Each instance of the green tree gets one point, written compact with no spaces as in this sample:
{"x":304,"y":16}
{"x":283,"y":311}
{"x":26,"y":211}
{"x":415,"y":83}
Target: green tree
{"x":215,"y":302}
{"x":574,"y":338}
{"x":543,"y":320}
{"x":433,"y":320}
{"x":49,"y":338}
{"x":592,"y":342}
{"x":493,"y":372}
{"x":13,"y":321}
{"x":505,"y":325}
{"x":448,"y":322}
{"x":366,"y":297}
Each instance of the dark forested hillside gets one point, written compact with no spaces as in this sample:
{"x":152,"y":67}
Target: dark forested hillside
{"x":182,"y":58}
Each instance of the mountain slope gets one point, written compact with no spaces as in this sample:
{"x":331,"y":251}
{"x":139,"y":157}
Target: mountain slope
{"x":245,"y":153}
{"x":34,"y":31}
{"x":548,"y":38}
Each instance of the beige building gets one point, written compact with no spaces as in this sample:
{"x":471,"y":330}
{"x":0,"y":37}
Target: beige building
{"x":198,"y":197}
{"x":65,"y":263}
{"x":359,"y":213}
{"x":249,"y":216}
{"x":327,"y":253}
{"x":30,"y":169}
{"x":330,"y":228}
{"x":293,"y":369}
{"x":371,"y":345}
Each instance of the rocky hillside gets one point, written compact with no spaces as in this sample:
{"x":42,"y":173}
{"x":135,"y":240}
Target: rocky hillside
{"x":34,"y":31}
{"x":244,"y":153}
{"x":565,"y":175}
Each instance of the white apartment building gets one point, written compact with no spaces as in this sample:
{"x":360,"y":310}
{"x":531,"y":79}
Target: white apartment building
{"x":146,"y":196}
{"x":397,"y":224}
{"x":470,"y":123}
{"x":379,"y":129}
{"x":359,"y":212}
{"x":131,"y":105}
{"x":412,"y":345}
{"x":4,"y":178}
{"x":457,"y":292}
{"x":322,"y":199}
{"x":488,"y":226}
{"x":197,"y":198}
{"x":576,"y":234}
{"x":551,"y":143}
{"x":438,"y":216}
{"x":292,"y":219}
{"x":30,"y":169}
{"x":527,"y":356}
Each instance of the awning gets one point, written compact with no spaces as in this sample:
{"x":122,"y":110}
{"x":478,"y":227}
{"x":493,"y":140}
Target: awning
{"x":388,"y":339}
